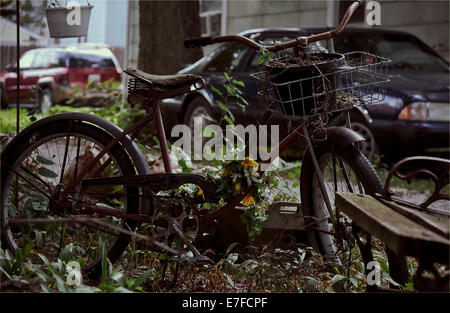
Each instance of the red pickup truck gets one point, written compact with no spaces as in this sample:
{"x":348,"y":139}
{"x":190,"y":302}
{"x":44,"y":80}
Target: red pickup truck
{"x":48,"y":75}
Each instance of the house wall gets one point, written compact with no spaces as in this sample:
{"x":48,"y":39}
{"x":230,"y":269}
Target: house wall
{"x":8,"y":35}
{"x":116,"y":23}
{"x":243,"y":15}
{"x":107,"y":23}
{"x":429,"y":20}
{"x":132,"y":47}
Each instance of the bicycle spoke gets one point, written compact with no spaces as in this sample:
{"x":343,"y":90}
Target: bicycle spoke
{"x":66,"y":149}
{"x":77,"y":158}
{"x":344,"y":173}
{"x":37,"y":188}
{"x":35,"y":176}
{"x":49,"y":156}
{"x":334,"y":170}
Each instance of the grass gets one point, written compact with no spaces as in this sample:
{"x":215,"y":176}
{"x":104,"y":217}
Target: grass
{"x":8,"y":116}
{"x":254,"y":269}
{"x":418,"y":184}
{"x":8,"y":120}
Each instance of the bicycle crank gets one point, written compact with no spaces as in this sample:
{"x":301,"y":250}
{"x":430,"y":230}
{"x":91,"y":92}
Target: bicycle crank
{"x":175,"y":224}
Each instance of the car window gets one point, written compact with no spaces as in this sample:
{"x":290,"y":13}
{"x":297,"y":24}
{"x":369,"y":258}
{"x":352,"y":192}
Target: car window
{"x":403,"y":50}
{"x":195,"y":68}
{"x":351,"y":42}
{"x":26,"y":60}
{"x":56,"y":59}
{"x":228,"y":59}
{"x":405,"y":53}
{"x":40,"y":59}
{"x":89,"y":60}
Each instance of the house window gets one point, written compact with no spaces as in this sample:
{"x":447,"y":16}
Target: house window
{"x":210,"y":17}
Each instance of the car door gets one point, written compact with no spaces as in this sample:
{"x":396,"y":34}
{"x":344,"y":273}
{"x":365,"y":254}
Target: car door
{"x":25,"y":62}
{"x":30,"y":77}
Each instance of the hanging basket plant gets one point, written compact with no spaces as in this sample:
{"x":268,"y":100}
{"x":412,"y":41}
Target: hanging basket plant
{"x":69,"y":20}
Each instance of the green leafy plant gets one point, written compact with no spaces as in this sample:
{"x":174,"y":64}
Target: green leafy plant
{"x":265,"y":56}
{"x":113,"y":280}
{"x":53,"y":276}
{"x":230,"y":94}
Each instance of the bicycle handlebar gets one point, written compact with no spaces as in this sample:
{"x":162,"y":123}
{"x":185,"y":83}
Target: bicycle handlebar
{"x":300,"y":41}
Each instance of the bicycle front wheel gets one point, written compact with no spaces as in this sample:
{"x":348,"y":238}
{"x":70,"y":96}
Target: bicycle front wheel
{"x":344,"y":169}
{"x":38,"y":167}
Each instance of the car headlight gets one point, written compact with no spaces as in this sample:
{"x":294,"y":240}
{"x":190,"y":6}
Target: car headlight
{"x":426,"y":111}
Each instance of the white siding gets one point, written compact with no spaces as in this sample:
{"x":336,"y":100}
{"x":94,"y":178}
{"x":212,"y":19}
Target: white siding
{"x":429,"y":20}
{"x":243,"y":15}
{"x":132,"y":48}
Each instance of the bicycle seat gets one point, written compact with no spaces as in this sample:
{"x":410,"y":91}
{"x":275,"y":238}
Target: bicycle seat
{"x":165,"y":81}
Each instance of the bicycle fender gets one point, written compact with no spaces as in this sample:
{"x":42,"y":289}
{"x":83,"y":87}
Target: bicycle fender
{"x":343,"y":136}
{"x":136,"y":155}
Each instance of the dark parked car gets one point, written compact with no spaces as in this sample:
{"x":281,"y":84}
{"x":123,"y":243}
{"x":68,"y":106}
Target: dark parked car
{"x":48,"y":75}
{"x":413,"y":119}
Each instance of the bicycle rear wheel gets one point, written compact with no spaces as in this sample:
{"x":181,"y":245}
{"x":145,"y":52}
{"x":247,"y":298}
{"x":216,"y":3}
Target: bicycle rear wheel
{"x":37,"y":167}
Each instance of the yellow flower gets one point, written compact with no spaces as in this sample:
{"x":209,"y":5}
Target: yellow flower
{"x":224,"y":173}
{"x":200,"y":192}
{"x":248,"y":200}
{"x":247,"y":162}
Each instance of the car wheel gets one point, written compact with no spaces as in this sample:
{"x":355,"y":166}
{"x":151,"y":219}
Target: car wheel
{"x":45,"y":100}
{"x":198,"y":107}
{"x":369,"y":147}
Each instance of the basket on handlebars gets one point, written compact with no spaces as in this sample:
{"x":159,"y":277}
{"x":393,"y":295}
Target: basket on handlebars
{"x":323,"y":82}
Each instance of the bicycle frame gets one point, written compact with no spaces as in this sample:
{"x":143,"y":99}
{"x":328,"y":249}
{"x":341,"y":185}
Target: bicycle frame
{"x":134,"y":131}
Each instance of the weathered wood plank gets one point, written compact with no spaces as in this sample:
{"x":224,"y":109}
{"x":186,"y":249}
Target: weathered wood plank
{"x":438,"y":224}
{"x":399,"y":233}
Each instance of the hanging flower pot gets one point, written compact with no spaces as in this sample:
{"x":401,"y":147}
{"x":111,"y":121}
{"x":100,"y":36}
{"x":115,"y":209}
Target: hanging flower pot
{"x":69,"y":21}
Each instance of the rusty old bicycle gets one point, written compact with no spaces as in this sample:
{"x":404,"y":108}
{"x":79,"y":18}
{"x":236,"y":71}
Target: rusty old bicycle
{"x":77,"y":178}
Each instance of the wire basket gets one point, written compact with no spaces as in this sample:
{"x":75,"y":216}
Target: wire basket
{"x":354,"y":79}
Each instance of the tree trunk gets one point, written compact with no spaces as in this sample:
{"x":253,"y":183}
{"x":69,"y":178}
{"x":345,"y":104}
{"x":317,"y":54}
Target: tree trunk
{"x":163,"y":25}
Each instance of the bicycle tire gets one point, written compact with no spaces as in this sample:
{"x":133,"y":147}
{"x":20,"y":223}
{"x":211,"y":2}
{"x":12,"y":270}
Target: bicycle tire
{"x":310,"y":195}
{"x":22,"y":150}
{"x":357,"y":161}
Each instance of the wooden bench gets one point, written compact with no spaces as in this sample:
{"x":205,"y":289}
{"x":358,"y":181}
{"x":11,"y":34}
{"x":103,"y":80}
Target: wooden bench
{"x":404,"y":232}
